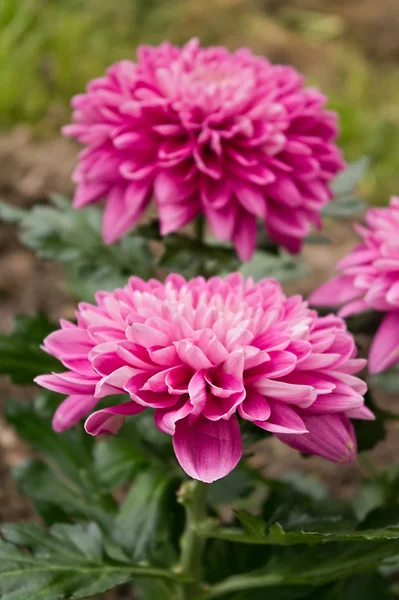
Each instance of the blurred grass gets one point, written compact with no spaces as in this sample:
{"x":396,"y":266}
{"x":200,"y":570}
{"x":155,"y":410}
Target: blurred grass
{"x":49,"y":49}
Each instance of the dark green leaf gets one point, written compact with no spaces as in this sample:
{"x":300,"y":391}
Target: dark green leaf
{"x":253,"y":526}
{"x":225,"y":491}
{"x":278,"y":536}
{"x":143,"y":524}
{"x":116,"y":460}
{"x":57,"y":498}
{"x":369,"y":433}
{"x":310,"y":566}
{"x":68,"y":561}
{"x":148,"y":589}
{"x":68,"y":481}
{"x":20,"y":355}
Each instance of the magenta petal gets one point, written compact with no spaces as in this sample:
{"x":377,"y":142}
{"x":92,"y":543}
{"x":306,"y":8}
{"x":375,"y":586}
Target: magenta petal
{"x":166,"y":418}
{"x":363,"y":413}
{"x":255,"y":407}
{"x":244,"y":238}
{"x":110,"y":420}
{"x":384,"y":352}
{"x":208,"y":450}
{"x":329,"y":436}
{"x":335,"y":292}
{"x":335,"y":403}
{"x":71,"y":411}
{"x":283,"y":419}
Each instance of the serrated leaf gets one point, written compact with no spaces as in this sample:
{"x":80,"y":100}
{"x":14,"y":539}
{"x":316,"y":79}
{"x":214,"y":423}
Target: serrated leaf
{"x":347,"y":181}
{"x":20,"y":355}
{"x":53,"y":493}
{"x":68,"y":561}
{"x":73,"y":237}
{"x":116,"y":460}
{"x":143,"y":524}
{"x":68,"y":481}
{"x":278,"y":536}
{"x":310,"y":566}
{"x":253,"y":526}
{"x":282,"y":267}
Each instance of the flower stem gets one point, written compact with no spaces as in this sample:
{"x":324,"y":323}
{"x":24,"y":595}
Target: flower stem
{"x":192,"y":495}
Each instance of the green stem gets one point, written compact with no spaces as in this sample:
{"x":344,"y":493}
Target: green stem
{"x":192,"y":495}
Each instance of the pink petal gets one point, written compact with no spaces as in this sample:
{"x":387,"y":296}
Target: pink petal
{"x":330,"y":436}
{"x":77,"y":386}
{"x":255,"y":407}
{"x":71,"y":410}
{"x":362,"y":413}
{"x":283,"y":419}
{"x":384,"y":351}
{"x":110,"y":420}
{"x":166,"y":418}
{"x":244,"y":238}
{"x":335,"y":292}
{"x":208,"y":450}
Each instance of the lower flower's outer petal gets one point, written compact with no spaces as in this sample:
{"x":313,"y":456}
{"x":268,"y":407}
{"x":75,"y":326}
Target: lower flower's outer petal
{"x":71,"y":410}
{"x":329,"y":436}
{"x":208,"y":450}
{"x":110,"y":420}
{"x":384,"y":352}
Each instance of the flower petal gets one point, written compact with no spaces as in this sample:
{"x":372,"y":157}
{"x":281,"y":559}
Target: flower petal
{"x":384,"y":351}
{"x":208,"y":450}
{"x":110,"y":420}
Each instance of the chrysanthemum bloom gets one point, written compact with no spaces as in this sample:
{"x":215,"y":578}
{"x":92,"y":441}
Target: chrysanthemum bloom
{"x":370,"y":280}
{"x":203,"y":130}
{"x":204,"y":354}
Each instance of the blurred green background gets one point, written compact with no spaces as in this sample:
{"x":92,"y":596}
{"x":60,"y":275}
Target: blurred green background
{"x":49,"y":49}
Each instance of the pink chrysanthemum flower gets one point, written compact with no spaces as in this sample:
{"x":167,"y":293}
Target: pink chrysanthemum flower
{"x":204,"y":354}
{"x":204,"y":130}
{"x":370,"y":280}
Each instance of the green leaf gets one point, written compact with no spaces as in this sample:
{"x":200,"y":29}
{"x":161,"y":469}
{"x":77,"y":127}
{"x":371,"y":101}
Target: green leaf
{"x":143,"y":524}
{"x":11,"y":214}
{"x":73,"y":237}
{"x":234,"y":486}
{"x":20,"y":355}
{"x":57,"y":498}
{"x":253,"y":526}
{"x":68,"y":480}
{"x":345,"y":203}
{"x":278,"y":536}
{"x":347,"y":181}
{"x":67,"y":561}
{"x":148,"y":589}
{"x":388,"y":380}
{"x":369,"y":433}
{"x":281,"y":266}
{"x":116,"y":460}
{"x":310,"y":566}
